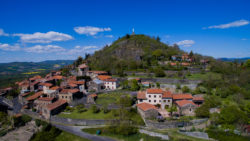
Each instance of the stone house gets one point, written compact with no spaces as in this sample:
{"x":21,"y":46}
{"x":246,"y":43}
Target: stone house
{"x":94,"y":74}
{"x":70,"y":95}
{"x":54,"y":108}
{"x":82,"y":69}
{"x":30,"y":100}
{"x":147,"y":111}
{"x":186,"y":107}
{"x":42,"y":102}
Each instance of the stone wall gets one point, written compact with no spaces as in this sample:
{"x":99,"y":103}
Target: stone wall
{"x":173,"y":124}
{"x":82,"y":122}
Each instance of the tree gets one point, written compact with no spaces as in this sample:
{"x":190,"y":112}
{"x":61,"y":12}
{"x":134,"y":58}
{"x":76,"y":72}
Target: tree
{"x":172,"y":109}
{"x":134,"y":85}
{"x":247,"y":64}
{"x":127,"y":36}
{"x":191,"y":54}
{"x":185,"y":89}
{"x":158,"y":85}
{"x":158,"y":39}
{"x":157,"y":53}
{"x":231,"y":114}
{"x":202,"y":111}
{"x":159,"y":72}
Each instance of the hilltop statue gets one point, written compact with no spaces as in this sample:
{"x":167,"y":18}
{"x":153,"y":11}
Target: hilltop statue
{"x":133,"y":31}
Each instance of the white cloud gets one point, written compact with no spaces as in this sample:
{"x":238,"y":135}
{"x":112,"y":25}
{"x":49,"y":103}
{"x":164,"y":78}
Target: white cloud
{"x":44,"y":49}
{"x":48,"y":37}
{"x":2,"y":33}
{"x":90,"y":30}
{"x":243,"y":39}
{"x":78,"y":50}
{"x":229,"y":25}
{"x":109,"y":36}
{"x":8,"y":47}
{"x":186,"y":43}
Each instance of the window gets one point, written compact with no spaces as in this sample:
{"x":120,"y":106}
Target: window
{"x":154,"y":96}
{"x":168,"y":100}
{"x":141,"y":100}
{"x":149,"y":95}
{"x":159,"y":96}
{"x":159,"y":100}
{"x":149,"y":100}
{"x":65,"y":96}
{"x":62,"y":96}
{"x":190,"y":110}
{"x":164,"y":100}
{"x":154,"y":101}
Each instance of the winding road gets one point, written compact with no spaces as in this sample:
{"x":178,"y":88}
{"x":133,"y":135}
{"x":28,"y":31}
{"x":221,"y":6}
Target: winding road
{"x":77,"y":130}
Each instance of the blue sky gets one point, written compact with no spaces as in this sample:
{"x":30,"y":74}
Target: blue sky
{"x":57,"y":29}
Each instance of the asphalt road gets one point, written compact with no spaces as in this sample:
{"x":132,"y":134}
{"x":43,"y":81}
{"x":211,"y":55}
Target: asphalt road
{"x":76,"y":130}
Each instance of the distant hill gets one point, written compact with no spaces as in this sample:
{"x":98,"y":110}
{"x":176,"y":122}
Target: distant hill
{"x":234,"y":59}
{"x":132,"y":52}
{"x":11,"y":72}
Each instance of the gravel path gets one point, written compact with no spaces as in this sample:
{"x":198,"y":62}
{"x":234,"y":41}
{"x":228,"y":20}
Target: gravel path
{"x":76,"y":130}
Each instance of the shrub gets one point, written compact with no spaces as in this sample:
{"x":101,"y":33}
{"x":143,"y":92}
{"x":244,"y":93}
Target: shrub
{"x":106,"y":110}
{"x":95,"y":109}
{"x":185,"y":89}
{"x":159,"y":72}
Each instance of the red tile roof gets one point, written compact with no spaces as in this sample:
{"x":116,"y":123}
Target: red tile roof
{"x":64,"y":91}
{"x":182,"y":103}
{"x":55,"y":88}
{"x":141,"y":95}
{"x":167,"y":94}
{"x":35,"y":77}
{"x":145,"y":106}
{"x":98,"y":72}
{"x":72,"y":85}
{"x":34,"y":96}
{"x":198,"y":98}
{"x":46,"y":98}
{"x":93,"y":95}
{"x":77,"y":82}
{"x":182,"y":96}
{"x":103,"y":77}
{"x":46,"y":84}
{"x":58,"y":77}
{"x":185,"y":64}
{"x":110,"y":80}
{"x":56,"y":104}
{"x":82,"y":66}
{"x":154,"y":91}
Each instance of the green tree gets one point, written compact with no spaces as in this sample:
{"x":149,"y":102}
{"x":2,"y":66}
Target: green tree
{"x":159,"y":72}
{"x":134,"y":85}
{"x":185,"y":89}
{"x":172,"y":109}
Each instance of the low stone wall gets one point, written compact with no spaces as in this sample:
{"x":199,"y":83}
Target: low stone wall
{"x":32,"y":114}
{"x":82,"y":122}
{"x":201,"y":135}
{"x":173,"y":124}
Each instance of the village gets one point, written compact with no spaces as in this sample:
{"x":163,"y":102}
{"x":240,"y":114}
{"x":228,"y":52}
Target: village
{"x":51,"y":95}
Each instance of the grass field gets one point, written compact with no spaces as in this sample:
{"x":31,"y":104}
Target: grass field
{"x":65,"y":136}
{"x":200,"y":76}
{"x":135,"y":137}
{"x":109,"y":98}
{"x":87,"y":115}
{"x":176,"y":136}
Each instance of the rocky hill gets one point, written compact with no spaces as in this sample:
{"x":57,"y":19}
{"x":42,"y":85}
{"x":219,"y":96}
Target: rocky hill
{"x":132,"y":52}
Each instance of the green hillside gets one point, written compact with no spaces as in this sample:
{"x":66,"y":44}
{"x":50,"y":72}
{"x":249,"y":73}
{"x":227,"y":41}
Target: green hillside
{"x":132,"y":52}
{"x":16,"y":71}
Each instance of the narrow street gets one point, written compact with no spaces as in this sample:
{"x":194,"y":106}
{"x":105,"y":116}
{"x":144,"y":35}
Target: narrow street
{"x":76,"y":130}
